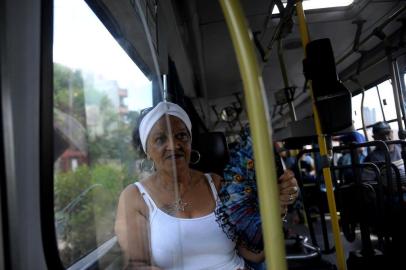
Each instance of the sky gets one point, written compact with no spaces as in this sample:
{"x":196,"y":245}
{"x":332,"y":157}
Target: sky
{"x":82,"y":42}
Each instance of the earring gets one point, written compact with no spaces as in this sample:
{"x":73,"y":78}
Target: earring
{"x":145,"y":169}
{"x":198,"y":157}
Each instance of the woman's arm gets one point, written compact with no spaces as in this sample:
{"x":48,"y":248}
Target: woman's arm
{"x":132,"y":230}
{"x":288,"y":193}
{"x":251,"y":256}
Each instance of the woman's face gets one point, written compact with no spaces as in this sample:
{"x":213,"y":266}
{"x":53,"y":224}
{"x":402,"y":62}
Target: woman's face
{"x":169,"y":145}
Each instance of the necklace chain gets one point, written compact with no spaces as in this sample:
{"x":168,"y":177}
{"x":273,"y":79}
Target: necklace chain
{"x":179,"y":205}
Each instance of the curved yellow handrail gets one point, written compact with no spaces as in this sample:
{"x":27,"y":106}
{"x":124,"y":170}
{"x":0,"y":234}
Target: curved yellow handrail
{"x":323,"y":150}
{"x":258,"y":116}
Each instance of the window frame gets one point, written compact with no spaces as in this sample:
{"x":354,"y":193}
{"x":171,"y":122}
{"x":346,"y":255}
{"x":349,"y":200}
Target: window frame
{"x":49,"y":237}
{"x":51,"y":251}
{"x":4,"y":222}
{"x":375,"y":85}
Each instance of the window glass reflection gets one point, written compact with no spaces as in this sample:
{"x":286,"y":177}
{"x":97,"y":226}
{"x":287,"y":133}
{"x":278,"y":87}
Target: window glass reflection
{"x":98,"y":94}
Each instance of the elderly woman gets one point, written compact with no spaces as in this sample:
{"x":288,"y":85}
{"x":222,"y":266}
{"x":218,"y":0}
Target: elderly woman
{"x":167,"y":220}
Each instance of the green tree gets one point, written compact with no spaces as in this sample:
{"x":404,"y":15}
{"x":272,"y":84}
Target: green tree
{"x":69,"y":94}
{"x":115,"y":141}
{"x":85,"y":207}
{"x":86,"y":198}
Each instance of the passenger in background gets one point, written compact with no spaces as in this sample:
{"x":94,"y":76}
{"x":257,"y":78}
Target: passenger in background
{"x":285,"y":154}
{"x":351,"y":137}
{"x":307,"y":166}
{"x":167,"y":220}
{"x":345,"y":159}
{"x":307,"y":169}
{"x":382,"y":131}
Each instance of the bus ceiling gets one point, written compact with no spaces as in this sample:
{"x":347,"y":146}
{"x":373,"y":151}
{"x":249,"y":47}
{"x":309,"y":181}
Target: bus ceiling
{"x":194,"y":35}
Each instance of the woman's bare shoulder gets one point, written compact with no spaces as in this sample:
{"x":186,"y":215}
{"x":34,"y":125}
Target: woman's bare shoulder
{"x":132,"y":190}
{"x":132,"y":197}
{"x":217,"y":179}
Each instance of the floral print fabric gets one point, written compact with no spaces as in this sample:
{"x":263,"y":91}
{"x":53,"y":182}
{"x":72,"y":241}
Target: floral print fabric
{"x":238,"y":210}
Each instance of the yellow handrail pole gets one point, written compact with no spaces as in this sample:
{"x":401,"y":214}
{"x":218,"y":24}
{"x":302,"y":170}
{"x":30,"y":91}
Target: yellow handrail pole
{"x":323,"y":150}
{"x":268,"y":191}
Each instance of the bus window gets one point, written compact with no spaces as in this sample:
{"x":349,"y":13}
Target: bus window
{"x":372,"y":108}
{"x":318,"y":4}
{"x":98,"y":94}
{"x":356,"y":111}
{"x":386,"y":94}
{"x":394,"y":126}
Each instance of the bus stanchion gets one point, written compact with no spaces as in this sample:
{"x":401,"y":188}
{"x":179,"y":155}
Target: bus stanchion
{"x":323,"y":151}
{"x":260,"y":129}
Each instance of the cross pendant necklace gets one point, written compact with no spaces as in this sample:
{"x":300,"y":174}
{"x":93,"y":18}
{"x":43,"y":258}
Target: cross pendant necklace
{"x":180,"y":205}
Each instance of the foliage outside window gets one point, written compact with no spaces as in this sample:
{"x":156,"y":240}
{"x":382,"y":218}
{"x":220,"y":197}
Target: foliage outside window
{"x":98,"y":93}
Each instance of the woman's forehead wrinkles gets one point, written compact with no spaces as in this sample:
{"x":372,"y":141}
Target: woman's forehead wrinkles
{"x":174,"y":124}
{"x":162,"y":129}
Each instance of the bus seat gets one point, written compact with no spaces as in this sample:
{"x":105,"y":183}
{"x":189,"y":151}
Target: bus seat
{"x":213,"y":150}
{"x":397,"y":178}
{"x":357,"y":204}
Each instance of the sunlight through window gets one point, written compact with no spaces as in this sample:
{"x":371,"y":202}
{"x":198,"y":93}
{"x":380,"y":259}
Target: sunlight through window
{"x":319,"y":4}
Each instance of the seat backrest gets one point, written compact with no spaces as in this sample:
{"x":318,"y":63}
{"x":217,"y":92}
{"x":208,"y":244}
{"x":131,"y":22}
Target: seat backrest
{"x":213,"y":150}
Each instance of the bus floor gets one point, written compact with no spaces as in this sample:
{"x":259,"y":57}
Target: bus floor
{"x":327,"y":245}
{"x":328,"y":255}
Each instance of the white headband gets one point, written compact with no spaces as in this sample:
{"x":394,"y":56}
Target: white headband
{"x":155,"y":114}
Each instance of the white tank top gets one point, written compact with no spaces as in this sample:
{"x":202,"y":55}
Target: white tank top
{"x":195,"y":243}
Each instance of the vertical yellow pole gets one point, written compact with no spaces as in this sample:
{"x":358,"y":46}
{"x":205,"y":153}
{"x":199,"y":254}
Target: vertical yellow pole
{"x":258,"y":116}
{"x":323,"y":151}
